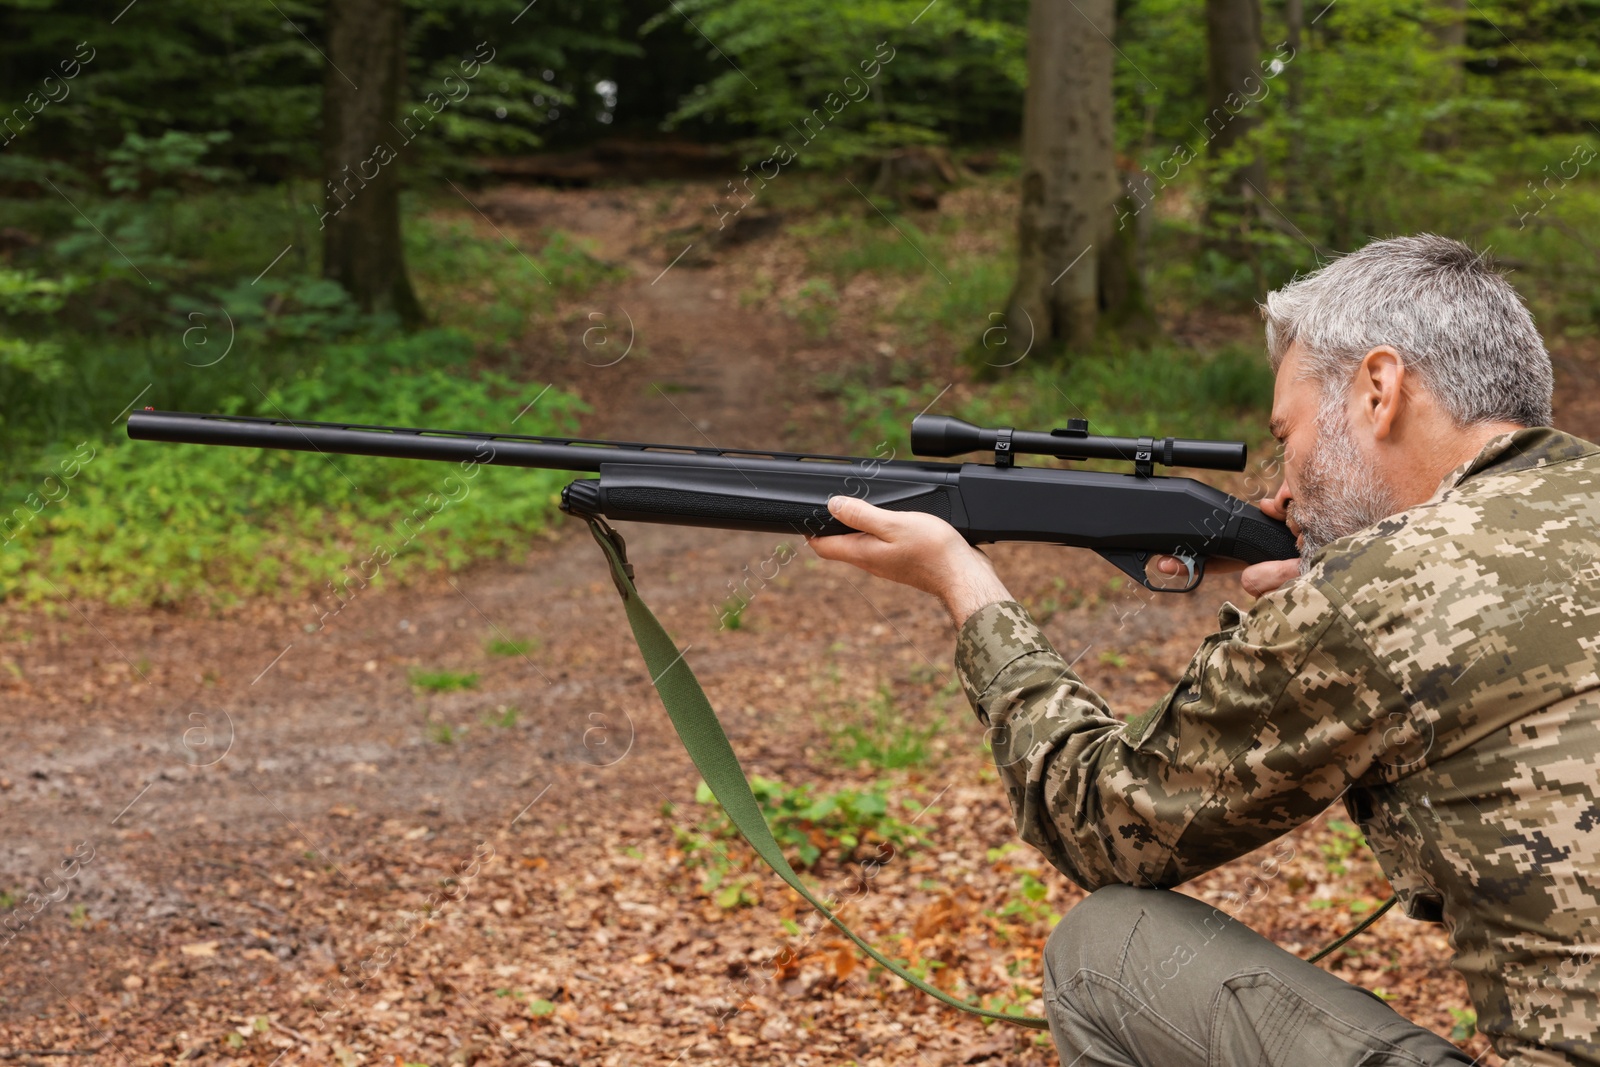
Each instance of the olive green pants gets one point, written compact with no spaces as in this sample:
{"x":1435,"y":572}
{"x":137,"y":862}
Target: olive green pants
{"x":1153,"y":978}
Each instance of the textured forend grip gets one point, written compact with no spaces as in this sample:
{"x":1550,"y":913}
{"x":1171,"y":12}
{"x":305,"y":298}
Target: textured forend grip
{"x":732,"y":511}
{"x":752,"y":512}
{"x":639,"y":501}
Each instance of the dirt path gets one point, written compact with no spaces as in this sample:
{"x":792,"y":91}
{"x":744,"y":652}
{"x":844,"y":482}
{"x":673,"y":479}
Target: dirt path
{"x":286,"y":853}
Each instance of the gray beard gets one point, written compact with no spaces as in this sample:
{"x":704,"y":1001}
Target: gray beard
{"x":1339,"y":492}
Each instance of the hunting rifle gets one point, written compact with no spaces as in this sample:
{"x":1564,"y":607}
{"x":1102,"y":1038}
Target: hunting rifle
{"x":1130,"y":519}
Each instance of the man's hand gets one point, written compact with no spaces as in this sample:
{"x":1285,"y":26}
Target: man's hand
{"x":913,"y":549}
{"x":926,"y":553}
{"x":1258,"y":579}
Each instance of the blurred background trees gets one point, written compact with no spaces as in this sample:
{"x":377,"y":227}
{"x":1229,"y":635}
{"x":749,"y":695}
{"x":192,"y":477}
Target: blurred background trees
{"x":1163,"y":158}
{"x":1340,"y":112}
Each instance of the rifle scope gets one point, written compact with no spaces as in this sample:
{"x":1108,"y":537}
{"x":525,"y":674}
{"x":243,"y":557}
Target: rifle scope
{"x":940,"y":436}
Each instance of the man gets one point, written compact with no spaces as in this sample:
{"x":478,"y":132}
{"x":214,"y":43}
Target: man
{"x":1431,"y":659}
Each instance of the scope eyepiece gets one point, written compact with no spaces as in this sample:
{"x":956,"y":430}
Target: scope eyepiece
{"x":941,"y":436}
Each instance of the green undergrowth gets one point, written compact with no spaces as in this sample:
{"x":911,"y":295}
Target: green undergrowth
{"x":810,"y":825}
{"x":472,"y":278}
{"x":882,"y":738}
{"x":443,"y":681}
{"x":145,"y":522}
{"x":1162,"y":390}
{"x":199,"y":315}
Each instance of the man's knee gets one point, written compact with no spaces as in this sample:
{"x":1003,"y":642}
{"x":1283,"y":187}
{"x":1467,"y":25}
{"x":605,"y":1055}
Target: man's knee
{"x":1095,"y":931}
{"x":1105,"y":990}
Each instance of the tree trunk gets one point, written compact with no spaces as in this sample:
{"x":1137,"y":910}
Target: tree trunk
{"x":1233,"y":85}
{"x":1448,"y":27}
{"x":1069,"y":181}
{"x":1123,"y":306}
{"x":361,"y":248}
{"x":1294,"y":19}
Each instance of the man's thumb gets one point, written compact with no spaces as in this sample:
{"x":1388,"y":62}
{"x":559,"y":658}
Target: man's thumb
{"x":858,"y":514}
{"x":1262,"y":578}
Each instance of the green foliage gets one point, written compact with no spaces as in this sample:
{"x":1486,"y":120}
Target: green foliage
{"x":1346,"y":842}
{"x":153,"y":522}
{"x":24,"y":294}
{"x":151,"y":176}
{"x":291,"y":312}
{"x":1031,"y":907}
{"x":815,"y":307}
{"x":994,"y":855}
{"x":477,"y":281}
{"x":806,"y":823}
{"x":921,"y":968}
{"x":1373,"y":127}
{"x":732,"y":614}
{"x":736,"y":893}
{"x":841,"y":245}
{"x":1466,"y":1024}
{"x":443,"y":681}
{"x":848,"y":824}
{"x":442,"y":733}
{"x":505,"y":646}
{"x":36,"y":359}
{"x":1034,"y":891}
{"x":1162,"y":390}
{"x":969,"y":306}
{"x":885,"y":740}
{"x":215,"y":331}
{"x":505,"y":720}
{"x":189,"y":67}
{"x":836,"y":82}
{"x":172,"y":159}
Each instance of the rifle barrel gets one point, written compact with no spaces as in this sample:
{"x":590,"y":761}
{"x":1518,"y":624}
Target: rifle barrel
{"x":511,"y":450}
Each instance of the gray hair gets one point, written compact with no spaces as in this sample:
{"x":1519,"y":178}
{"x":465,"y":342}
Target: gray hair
{"x":1457,"y":323}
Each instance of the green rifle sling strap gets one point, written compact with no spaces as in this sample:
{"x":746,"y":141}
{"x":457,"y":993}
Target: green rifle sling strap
{"x":1341,"y":941}
{"x":707,"y":745}
{"x":703,"y":738}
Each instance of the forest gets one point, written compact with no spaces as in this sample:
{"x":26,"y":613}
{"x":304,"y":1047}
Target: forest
{"x":726,"y":222}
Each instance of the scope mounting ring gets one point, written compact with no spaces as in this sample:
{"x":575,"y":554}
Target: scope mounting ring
{"x":1003,"y":455}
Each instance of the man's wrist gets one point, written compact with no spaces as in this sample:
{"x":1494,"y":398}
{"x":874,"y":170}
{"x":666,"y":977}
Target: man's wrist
{"x":972,"y":591}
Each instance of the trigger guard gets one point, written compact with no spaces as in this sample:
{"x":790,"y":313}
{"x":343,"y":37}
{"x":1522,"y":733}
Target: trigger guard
{"x":1133,"y":562}
{"x":1195,"y":566}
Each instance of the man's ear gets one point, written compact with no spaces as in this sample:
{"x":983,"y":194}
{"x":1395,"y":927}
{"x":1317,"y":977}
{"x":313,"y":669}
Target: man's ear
{"x":1379,"y":390}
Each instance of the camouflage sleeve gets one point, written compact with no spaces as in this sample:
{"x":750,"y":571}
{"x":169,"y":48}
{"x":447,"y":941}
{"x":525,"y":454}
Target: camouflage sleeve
{"x":1277,"y":713}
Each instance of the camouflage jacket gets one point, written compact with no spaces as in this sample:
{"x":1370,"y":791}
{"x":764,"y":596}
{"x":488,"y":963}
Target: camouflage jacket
{"x":1438,"y":670}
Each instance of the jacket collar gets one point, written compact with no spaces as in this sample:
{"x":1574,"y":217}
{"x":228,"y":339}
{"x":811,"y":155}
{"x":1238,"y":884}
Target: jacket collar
{"x":1525,"y":449}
